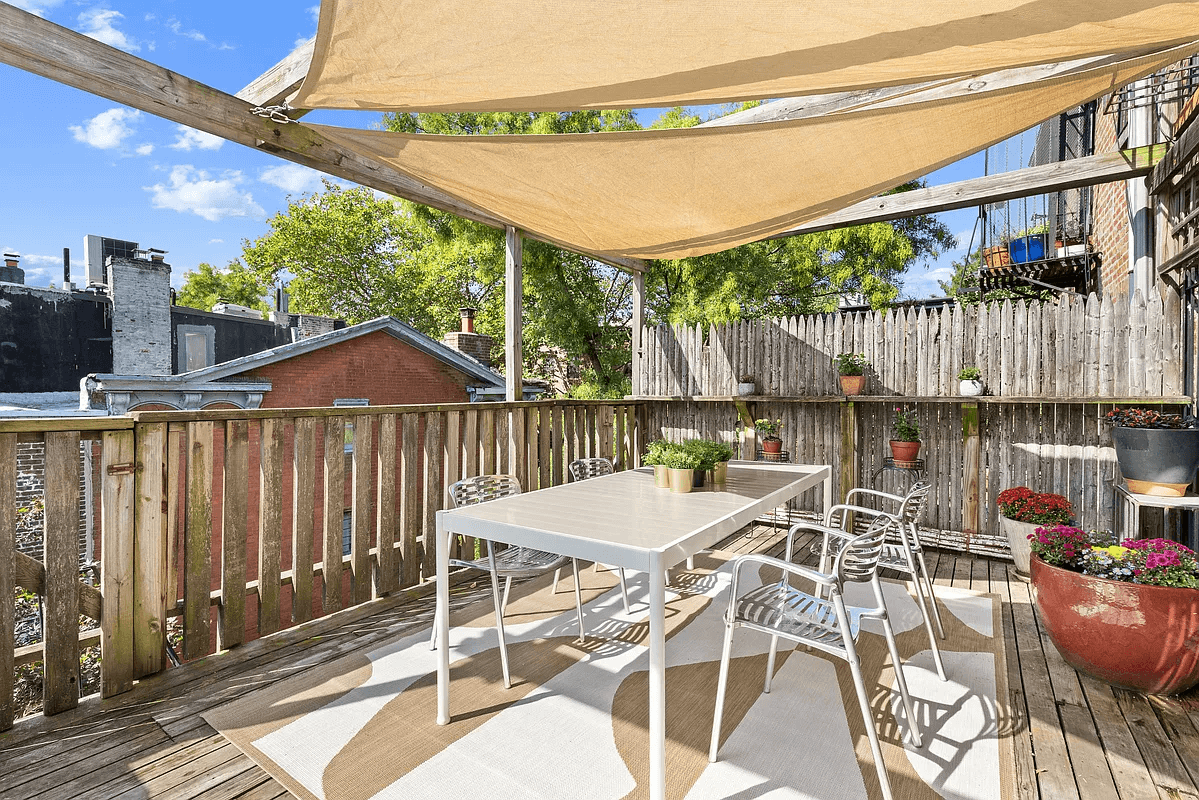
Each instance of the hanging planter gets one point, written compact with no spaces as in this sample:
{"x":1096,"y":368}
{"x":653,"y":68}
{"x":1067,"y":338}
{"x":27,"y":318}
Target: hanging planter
{"x":1158,"y":453}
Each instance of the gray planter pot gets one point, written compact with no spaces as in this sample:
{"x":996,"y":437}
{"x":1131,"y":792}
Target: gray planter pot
{"x":1157,"y":460}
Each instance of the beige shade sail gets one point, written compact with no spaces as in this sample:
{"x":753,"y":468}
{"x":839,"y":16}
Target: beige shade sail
{"x":531,"y":55}
{"x":677,"y":193}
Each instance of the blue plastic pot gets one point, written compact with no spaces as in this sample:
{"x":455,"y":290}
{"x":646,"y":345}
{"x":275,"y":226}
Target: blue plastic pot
{"x":1027,"y":248}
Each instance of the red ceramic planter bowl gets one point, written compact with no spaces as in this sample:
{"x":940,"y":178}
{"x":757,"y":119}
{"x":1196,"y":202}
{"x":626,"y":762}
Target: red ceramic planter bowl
{"x":1144,"y":638}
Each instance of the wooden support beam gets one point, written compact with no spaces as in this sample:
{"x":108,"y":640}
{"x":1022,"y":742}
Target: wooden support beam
{"x":281,"y":82}
{"x":1085,"y":171}
{"x":848,"y":471}
{"x":52,"y":51}
{"x":638,"y":323}
{"x":972,"y":447}
{"x":513,"y":315}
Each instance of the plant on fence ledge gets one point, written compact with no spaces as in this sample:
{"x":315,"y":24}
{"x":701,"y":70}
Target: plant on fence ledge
{"x":1021,"y":510}
{"x":851,"y":369}
{"x":970,"y":382}
{"x":745,"y":385}
{"x":1158,"y":452}
{"x":1126,"y":613}
{"x":905,"y":435}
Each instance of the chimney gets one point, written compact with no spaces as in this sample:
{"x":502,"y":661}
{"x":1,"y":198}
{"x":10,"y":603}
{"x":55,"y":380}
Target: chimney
{"x":141,"y":315}
{"x":10,"y":272}
{"x":467,"y":342}
{"x":66,"y":269}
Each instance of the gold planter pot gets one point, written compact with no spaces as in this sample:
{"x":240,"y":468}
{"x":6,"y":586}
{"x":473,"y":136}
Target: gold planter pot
{"x":720,"y":472}
{"x":680,"y":480}
{"x":661,"y":476}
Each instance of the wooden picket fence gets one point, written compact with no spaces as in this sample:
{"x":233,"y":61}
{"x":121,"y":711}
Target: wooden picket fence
{"x":1071,"y":348}
{"x":234,"y":522}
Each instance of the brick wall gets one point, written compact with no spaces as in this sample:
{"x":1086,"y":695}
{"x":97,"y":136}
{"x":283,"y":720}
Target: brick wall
{"x":1110,"y":207}
{"x":376,"y":366}
{"x":141,"y":316}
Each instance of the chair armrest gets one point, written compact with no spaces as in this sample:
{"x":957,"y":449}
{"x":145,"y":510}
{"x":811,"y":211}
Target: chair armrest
{"x":874,"y":493}
{"x":823,"y":530}
{"x":817,"y":577}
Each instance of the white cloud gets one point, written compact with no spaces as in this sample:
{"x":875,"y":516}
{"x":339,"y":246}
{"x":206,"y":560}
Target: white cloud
{"x":292,"y":178}
{"x":108,"y":129}
{"x":145,"y":149}
{"x":315,"y":11}
{"x":192,"y":139}
{"x":193,"y":190}
{"x":99,"y":23}
{"x":216,"y":241}
{"x":177,"y":28}
{"x":37,"y":259}
{"x":38,"y":7}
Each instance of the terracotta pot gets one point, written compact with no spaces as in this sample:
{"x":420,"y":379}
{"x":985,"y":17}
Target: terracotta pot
{"x":680,"y":480}
{"x":1017,"y":534}
{"x":772,"y":445}
{"x":661,"y":476}
{"x":852,"y":384}
{"x":720,"y":472}
{"x":1144,"y":638}
{"x":905,"y":451}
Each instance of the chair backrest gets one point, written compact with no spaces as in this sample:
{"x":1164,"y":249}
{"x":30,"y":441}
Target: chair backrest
{"x":858,"y":561}
{"x":583,"y":468}
{"x":480,"y":489}
{"x":914,"y":503}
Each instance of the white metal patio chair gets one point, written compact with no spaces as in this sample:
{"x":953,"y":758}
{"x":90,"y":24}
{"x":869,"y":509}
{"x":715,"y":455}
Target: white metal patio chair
{"x":580,"y":470}
{"x":509,"y":562}
{"x":829,"y":625}
{"x":901,"y":552}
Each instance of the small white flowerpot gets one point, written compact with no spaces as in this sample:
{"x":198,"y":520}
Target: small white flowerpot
{"x":745,"y":389}
{"x":970,"y":388}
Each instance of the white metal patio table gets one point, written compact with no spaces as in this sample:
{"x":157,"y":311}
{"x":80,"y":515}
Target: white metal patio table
{"x":622,"y":520}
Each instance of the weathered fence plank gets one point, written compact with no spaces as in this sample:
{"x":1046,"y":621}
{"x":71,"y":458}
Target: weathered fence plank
{"x":235,"y":493}
{"x":303,"y":495}
{"x":197,"y":545}
{"x":116,"y":520}
{"x":270,"y":524}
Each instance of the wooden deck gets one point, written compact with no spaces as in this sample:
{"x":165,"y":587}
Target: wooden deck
{"x":1076,"y":737}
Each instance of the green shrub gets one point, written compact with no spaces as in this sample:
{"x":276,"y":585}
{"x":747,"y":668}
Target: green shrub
{"x":970,"y":374}
{"x":657,"y":451}
{"x":851,"y":363}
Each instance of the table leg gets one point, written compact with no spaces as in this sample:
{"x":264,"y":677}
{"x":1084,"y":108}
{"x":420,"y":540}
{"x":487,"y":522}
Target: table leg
{"x":828,"y":494}
{"x":657,"y":682}
{"x":443,"y":623}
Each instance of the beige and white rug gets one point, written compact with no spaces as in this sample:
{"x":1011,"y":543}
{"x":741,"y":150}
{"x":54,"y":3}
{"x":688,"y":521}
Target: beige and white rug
{"x":574,"y":724}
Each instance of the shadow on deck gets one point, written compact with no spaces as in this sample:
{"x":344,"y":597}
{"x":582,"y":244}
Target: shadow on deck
{"x":1076,"y":737}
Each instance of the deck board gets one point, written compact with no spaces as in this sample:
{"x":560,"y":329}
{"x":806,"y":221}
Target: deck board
{"x":1074,"y":737}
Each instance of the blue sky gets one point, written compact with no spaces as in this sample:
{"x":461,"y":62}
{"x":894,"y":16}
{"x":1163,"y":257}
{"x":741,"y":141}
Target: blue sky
{"x":76,"y":163}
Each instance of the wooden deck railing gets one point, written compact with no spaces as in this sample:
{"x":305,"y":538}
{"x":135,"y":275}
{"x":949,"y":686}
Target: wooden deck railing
{"x":202,"y":511}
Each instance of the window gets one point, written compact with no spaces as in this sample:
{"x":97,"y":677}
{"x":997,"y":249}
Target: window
{"x":350,"y":402}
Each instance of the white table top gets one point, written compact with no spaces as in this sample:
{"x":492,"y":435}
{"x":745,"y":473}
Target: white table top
{"x":1190,"y":500}
{"x":623,"y":520}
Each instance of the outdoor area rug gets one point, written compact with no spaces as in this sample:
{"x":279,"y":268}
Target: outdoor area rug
{"x":575,"y":722}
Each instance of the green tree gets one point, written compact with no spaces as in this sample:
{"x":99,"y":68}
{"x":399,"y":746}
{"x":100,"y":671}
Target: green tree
{"x":206,"y":286}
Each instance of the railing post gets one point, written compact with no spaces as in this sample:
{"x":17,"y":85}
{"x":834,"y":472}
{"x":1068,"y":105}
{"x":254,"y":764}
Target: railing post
{"x":150,"y":549}
{"x":848,"y":472}
{"x":117,"y":497}
{"x":8,"y":569}
{"x":60,"y":690}
{"x":970,"y":485}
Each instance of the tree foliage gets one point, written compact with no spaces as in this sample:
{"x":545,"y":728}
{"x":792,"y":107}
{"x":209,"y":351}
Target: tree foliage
{"x":206,"y":286}
{"x":353,"y":254}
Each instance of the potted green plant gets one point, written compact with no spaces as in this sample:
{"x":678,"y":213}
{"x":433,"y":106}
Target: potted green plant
{"x":655,"y":456}
{"x":1022,"y":511}
{"x":970,"y":382}
{"x":745,"y":385}
{"x":1158,"y":453}
{"x":714,"y":458}
{"x":1127,"y":614}
{"x":905,"y":435}
{"x":771,"y":443}
{"x":851,"y":370}
{"x":681,"y":466}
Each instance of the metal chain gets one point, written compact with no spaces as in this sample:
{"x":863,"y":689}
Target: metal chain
{"x":273,"y":113}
